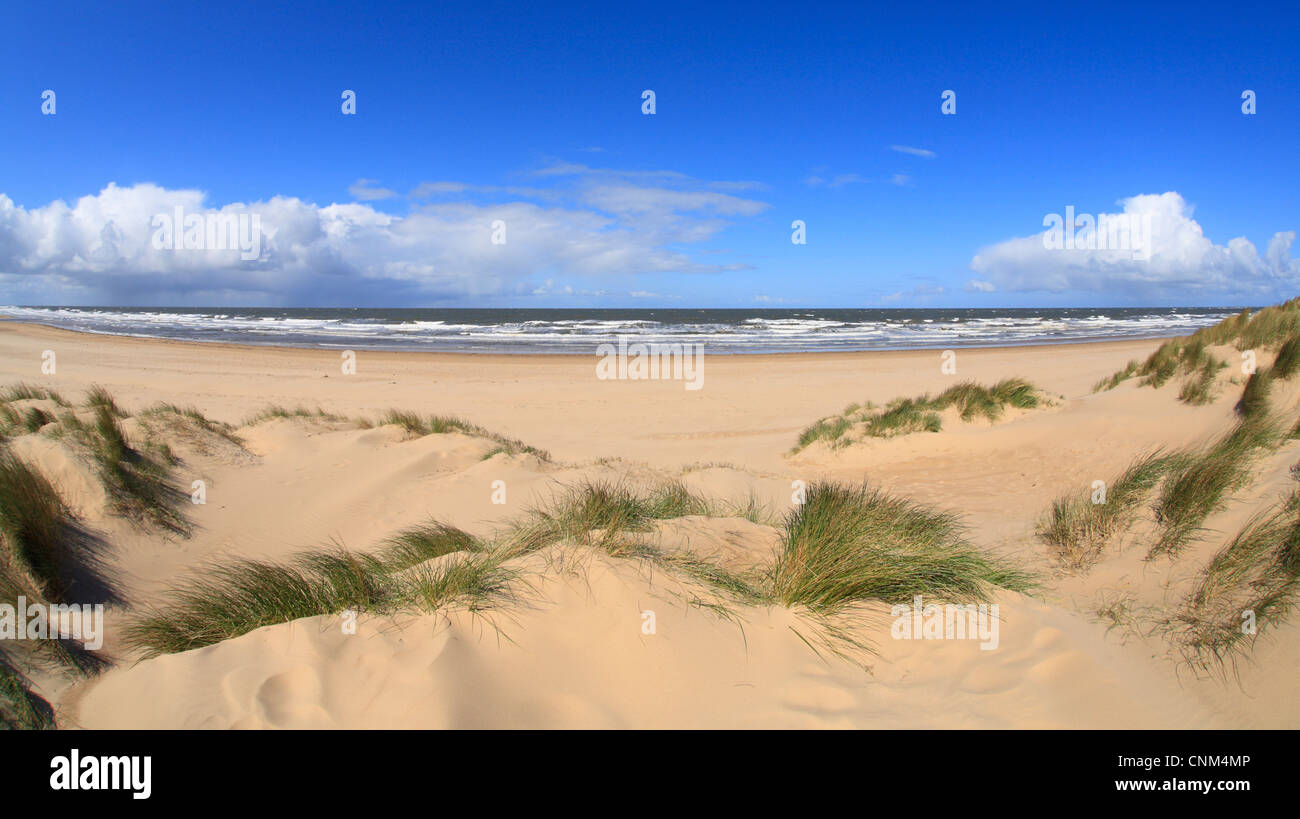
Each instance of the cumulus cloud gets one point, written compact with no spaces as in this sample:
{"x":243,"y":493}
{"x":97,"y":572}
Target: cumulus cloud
{"x":1176,"y":259}
{"x":102,"y":248}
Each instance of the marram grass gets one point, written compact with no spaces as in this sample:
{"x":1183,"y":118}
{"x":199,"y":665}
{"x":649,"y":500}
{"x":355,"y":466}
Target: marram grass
{"x":904,"y":416}
{"x":1081,"y":524}
{"x":846,"y":544}
{"x":228,"y":599}
{"x":1250,"y":586}
{"x":1273,"y":328}
{"x":1202,"y":484}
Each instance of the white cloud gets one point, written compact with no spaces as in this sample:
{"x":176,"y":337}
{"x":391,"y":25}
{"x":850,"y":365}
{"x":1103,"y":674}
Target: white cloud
{"x":1183,"y":261}
{"x":837,"y":181}
{"x":907,"y":149}
{"x":426,"y":189}
{"x":100,"y":249}
{"x":365,"y":190}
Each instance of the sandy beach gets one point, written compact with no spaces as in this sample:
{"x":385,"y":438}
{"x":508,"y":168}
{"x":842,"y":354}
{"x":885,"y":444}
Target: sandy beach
{"x":570,"y":648}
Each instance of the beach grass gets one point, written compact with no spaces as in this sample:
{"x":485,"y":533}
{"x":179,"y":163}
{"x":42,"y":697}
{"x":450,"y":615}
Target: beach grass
{"x":601,"y":514}
{"x":31,"y":392}
{"x":1203,"y":481}
{"x":904,"y":416}
{"x":1287,"y":362}
{"x":227,"y":599}
{"x":853,"y":543}
{"x":273,"y":412}
{"x":21,"y":709}
{"x":32,"y":518}
{"x":418,"y":426}
{"x":1080,"y":524}
{"x":1198,"y":389}
{"x":1268,"y":329}
{"x":1249,"y":587}
{"x":97,"y":397}
{"x":137,"y":484}
{"x":193,"y":415}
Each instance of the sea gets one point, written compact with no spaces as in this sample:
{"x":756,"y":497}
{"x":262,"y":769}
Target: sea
{"x":580,"y":331}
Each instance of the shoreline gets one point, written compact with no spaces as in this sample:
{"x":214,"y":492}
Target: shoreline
{"x":6,"y":321}
{"x":750,"y":409}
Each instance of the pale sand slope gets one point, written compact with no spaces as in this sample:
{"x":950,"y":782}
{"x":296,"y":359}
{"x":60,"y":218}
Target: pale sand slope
{"x":574,"y":654}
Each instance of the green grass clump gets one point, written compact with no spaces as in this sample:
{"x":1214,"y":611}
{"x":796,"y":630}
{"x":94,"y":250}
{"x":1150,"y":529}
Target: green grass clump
{"x":1268,"y":329}
{"x":1254,"y":396}
{"x":601,"y":514}
{"x":36,"y":562}
{"x":9,"y":419}
{"x":1287,"y":362}
{"x":31,"y":392}
{"x":1113,"y":381}
{"x":97,"y":397}
{"x":1257,"y":571}
{"x":35,"y":418}
{"x":21,"y":709}
{"x":225,"y":600}
{"x":417,"y":426}
{"x":826,"y":429}
{"x":433,"y":539}
{"x":846,"y":544}
{"x":274,"y":411}
{"x":475,"y":582}
{"x":904,"y":416}
{"x":32,"y":517}
{"x":193,"y":415}
{"x":613,"y":518}
{"x":1199,"y":388}
{"x":901,"y":417}
{"x":1078,"y":530}
{"x":1202,"y":483}
{"x":409,"y":421}
{"x":137,"y":485}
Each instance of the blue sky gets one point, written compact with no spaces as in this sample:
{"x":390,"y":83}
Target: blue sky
{"x":532,"y":114}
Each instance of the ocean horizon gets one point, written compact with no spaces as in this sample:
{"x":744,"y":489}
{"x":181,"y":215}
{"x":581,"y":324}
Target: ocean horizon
{"x":579,"y":330}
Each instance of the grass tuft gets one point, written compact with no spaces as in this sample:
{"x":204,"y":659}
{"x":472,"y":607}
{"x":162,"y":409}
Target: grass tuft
{"x":1254,"y":580}
{"x":904,"y":416}
{"x":1080,"y":525}
{"x":1201,"y":484}
{"x":846,"y":544}
{"x":226,"y":600}
{"x":1254,"y":397}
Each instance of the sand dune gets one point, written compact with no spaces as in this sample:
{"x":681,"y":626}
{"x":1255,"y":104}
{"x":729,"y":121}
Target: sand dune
{"x":570,"y":649}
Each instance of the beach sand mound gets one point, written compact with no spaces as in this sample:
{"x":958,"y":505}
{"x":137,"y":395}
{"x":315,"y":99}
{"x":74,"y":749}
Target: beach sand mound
{"x":577,"y":655}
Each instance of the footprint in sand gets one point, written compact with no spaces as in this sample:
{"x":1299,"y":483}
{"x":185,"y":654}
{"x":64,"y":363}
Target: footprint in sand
{"x":292,"y":698}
